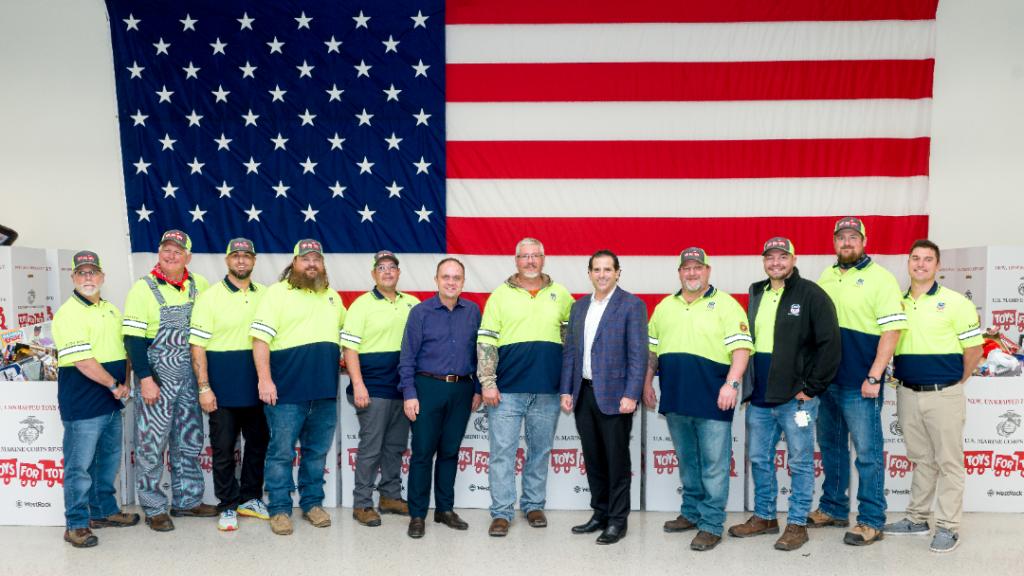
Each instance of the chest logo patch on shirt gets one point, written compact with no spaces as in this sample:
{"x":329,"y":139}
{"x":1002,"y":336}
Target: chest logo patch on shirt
{"x":860,"y":282}
{"x":794,"y":310}
{"x":940,"y":306}
{"x":711,"y":305}
{"x":331,"y":299}
{"x":554,"y":296}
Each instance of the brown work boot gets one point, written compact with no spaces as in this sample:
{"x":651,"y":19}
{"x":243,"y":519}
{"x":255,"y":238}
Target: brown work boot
{"x":416,"y":528}
{"x":537,"y":519}
{"x":793,"y":538}
{"x":819,"y":519}
{"x":863,"y":535}
{"x":754,"y":526}
{"x":704,"y":541}
{"x":160,"y":522}
{"x":680,"y":524}
{"x":394,"y":506}
{"x":119,"y":520}
{"x":200,"y":511}
{"x":81,"y":538}
{"x":499,"y":528}
{"x":366,"y":516}
{"x":281,"y":524}
{"x":318,"y":517}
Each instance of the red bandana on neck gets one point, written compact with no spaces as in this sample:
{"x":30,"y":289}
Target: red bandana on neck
{"x":180,"y":285}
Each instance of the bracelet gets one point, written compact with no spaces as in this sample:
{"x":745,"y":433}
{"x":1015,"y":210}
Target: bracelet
{"x":204,"y":389}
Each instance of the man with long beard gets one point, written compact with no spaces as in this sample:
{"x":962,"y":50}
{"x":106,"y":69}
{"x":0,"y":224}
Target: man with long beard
{"x":223,"y":363}
{"x":295,"y":345}
{"x":157,"y":313}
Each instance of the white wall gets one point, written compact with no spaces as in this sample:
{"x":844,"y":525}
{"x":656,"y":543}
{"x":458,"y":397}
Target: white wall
{"x":61,"y":182}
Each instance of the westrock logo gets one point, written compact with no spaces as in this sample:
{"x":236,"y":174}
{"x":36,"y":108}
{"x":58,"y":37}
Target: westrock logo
{"x":32,"y":431}
{"x":1009,"y":424}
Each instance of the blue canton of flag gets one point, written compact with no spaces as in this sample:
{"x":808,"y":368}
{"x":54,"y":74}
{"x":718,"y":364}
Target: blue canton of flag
{"x":283,"y":120}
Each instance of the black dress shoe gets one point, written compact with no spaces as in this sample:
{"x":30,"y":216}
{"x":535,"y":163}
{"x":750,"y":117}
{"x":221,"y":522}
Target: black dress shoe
{"x":450,"y":519}
{"x":416,"y":528}
{"x":612,"y":534}
{"x":590,"y":526}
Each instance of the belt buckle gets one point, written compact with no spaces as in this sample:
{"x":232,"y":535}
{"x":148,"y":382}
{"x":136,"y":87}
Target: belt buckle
{"x":451,"y":378}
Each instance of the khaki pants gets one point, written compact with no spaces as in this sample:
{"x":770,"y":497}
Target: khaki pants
{"x":933,"y":428}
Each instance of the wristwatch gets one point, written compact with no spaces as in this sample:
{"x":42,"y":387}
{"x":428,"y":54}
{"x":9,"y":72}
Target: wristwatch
{"x":734,"y":383}
{"x":113,"y":387}
{"x":873,"y":381}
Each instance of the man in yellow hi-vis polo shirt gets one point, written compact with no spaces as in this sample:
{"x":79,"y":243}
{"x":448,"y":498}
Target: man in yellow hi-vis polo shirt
{"x":700,"y":345}
{"x":90,"y":389}
{"x":935,"y":357}
{"x":295,"y":343}
{"x":867,"y":300}
{"x":157,"y":313}
{"x":372,"y":342}
{"x":519,"y":366}
{"x":226,"y":375}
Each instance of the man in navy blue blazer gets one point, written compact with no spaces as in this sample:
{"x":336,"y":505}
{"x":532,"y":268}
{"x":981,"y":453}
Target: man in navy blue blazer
{"x":604,"y":361}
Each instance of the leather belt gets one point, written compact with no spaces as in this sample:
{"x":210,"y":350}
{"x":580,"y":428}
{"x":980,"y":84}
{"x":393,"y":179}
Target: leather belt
{"x":588,"y":382}
{"x":927,"y":387}
{"x":447,"y":377}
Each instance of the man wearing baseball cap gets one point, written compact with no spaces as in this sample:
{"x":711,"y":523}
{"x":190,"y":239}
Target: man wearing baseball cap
{"x":157,"y":313}
{"x":90,"y":389}
{"x":372,"y":342}
{"x":796,"y":353}
{"x":226,"y":376}
{"x":871,"y":318}
{"x":295,"y":344}
{"x":700,"y":346}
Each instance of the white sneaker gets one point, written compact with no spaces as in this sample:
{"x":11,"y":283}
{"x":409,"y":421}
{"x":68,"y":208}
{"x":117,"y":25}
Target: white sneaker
{"x":228,"y":521}
{"x":254,"y":508}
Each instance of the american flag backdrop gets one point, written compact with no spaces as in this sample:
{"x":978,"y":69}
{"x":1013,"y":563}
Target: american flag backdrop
{"x":430,"y":128}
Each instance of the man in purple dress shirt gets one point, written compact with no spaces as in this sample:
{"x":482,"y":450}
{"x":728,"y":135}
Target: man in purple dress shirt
{"x":436,"y":371}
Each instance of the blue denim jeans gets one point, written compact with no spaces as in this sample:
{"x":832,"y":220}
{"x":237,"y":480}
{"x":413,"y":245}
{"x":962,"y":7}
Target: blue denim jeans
{"x":312,"y":424}
{"x":92,"y":457}
{"x":704,"y":448}
{"x":845,"y":415}
{"x":764,"y":426}
{"x":540,"y":414}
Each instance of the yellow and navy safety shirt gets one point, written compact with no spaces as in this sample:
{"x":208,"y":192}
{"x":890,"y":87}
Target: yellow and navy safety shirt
{"x":83,"y":330}
{"x":142,"y":311}
{"x":374,"y":327}
{"x":694,"y":342}
{"x":764,"y":343}
{"x":942,"y":324}
{"x":527,"y":330}
{"x":220,"y":324}
{"x":303,"y":329}
{"x":867,"y":300}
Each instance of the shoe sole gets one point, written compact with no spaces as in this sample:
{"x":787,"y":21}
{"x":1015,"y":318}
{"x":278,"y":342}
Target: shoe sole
{"x":620,"y":538}
{"x":703,"y":548}
{"x":282,"y":532}
{"x":227,"y":528}
{"x":326,"y":524}
{"x":82,"y":544}
{"x":94,"y":525}
{"x":497,"y":534}
{"x":466,"y":527}
{"x":416,"y":536}
{"x":189,"y":514}
{"x":251,"y":514}
{"x":758,"y":533}
{"x":918,"y":533}
{"x":163,"y":529}
{"x":395,"y":512}
{"x":862,"y":542}
{"x":668,"y":530}
{"x":829,"y":524}
{"x":785,"y":549}
{"x":371,"y":523}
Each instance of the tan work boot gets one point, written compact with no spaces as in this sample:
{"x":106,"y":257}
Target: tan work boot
{"x":81,"y":538}
{"x":199,"y":511}
{"x":863,"y":535}
{"x":819,"y":519}
{"x":366,"y":516}
{"x":394,"y":506}
{"x":119,"y":520}
{"x":793,"y":538}
{"x":680,"y":524}
{"x":499,"y":528}
{"x":754,"y":526}
{"x":281,"y":524}
{"x":318,"y":517}
{"x":160,"y":522}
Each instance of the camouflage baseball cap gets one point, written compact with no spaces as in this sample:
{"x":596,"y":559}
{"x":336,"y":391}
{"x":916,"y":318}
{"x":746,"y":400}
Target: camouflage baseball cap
{"x":178,"y":238}
{"x":779,"y":243}
{"x":241,"y":245}
{"x":693,"y":254}
{"x":851,"y":223}
{"x":85,"y":258}
{"x":308,"y":246}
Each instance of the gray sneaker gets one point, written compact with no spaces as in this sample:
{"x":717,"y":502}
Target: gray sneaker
{"x":945,"y":540}
{"x":906,"y":527}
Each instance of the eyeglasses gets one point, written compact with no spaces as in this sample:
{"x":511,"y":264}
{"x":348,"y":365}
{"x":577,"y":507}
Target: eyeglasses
{"x":386,"y":268}
{"x":529,"y":256}
{"x":87,"y":273}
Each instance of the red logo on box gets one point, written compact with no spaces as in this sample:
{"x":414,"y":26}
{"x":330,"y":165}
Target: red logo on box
{"x":465,"y":457}
{"x":977,"y":461}
{"x":563,"y":459}
{"x":665,"y":461}
{"x":482,"y":462}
